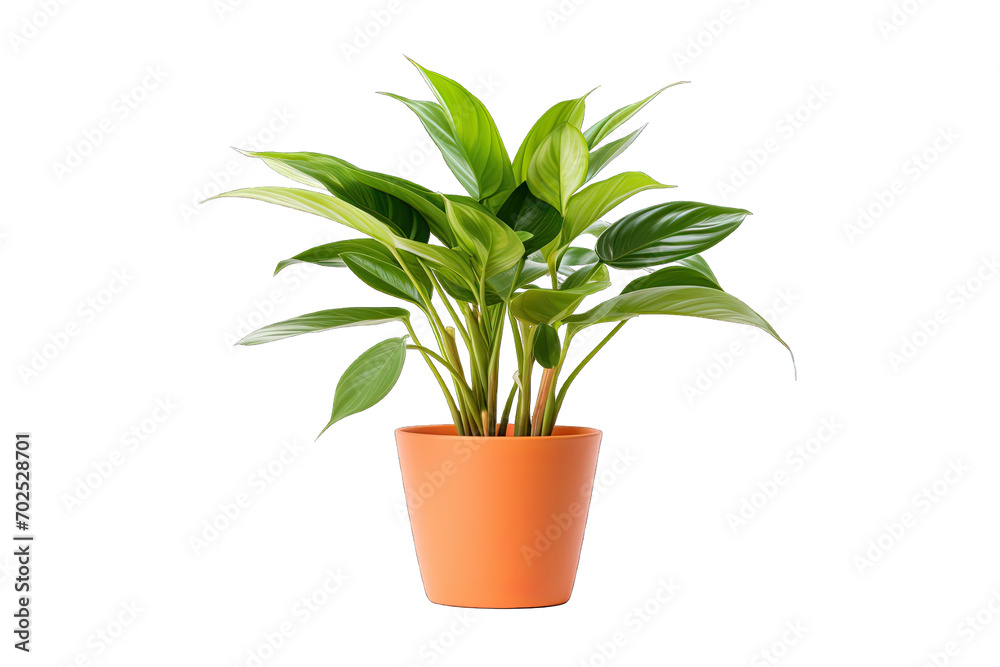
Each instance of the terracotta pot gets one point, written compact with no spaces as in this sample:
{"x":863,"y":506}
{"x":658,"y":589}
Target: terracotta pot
{"x":498,"y":522}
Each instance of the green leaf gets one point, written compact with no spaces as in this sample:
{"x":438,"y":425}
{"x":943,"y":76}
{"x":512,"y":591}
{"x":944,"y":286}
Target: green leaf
{"x":702,"y":302}
{"x":462,"y":293}
{"x":453,"y":264}
{"x":387,"y":277}
{"x":531,"y":272}
{"x":436,"y":123}
{"x":585,"y":274}
{"x":368,"y":380}
{"x":602,"y":128}
{"x":586,"y":206}
{"x":493,"y":245}
{"x":476,"y":133}
{"x":570,"y":111}
{"x":577,"y":257}
{"x":597,"y":228}
{"x":559,"y":166}
{"x":675,"y":275}
{"x":321,"y":204}
{"x":323,"y":320}
{"x":535,"y":306}
{"x":601,"y":157}
{"x":546,"y":347}
{"x":666,"y":233}
{"x":524,"y":212}
{"x":344,"y":181}
{"x":329,"y":254}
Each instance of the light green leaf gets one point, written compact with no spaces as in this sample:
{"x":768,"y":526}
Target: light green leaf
{"x":585,"y":274}
{"x":323,"y":320}
{"x":546,"y":347}
{"x":344,"y":181}
{"x":602,"y":128}
{"x":702,"y":302}
{"x":597,"y":228}
{"x":476,"y":133}
{"x":436,"y":123}
{"x":329,"y":254}
{"x":601,"y":157}
{"x":531,"y":272}
{"x":368,"y":380}
{"x":666,"y":233}
{"x":570,"y":111}
{"x":586,"y":206}
{"x":455,"y":265}
{"x":323,"y":205}
{"x":574,"y":256}
{"x":493,"y":245}
{"x":559,"y":166}
{"x":535,"y":306}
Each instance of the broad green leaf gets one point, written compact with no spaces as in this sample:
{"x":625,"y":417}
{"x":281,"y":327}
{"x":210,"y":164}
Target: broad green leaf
{"x":436,"y":123}
{"x":602,"y":128}
{"x":586,"y":206}
{"x":524,"y":212}
{"x":666,"y":233}
{"x":368,"y":380}
{"x":386,"y":276}
{"x":601,"y":157}
{"x":597,"y":228}
{"x":344,"y":181}
{"x":454,"y":264}
{"x":461,"y":292}
{"x":535,"y":306}
{"x":570,"y":111}
{"x":698,"y":263}
{"x":321,"y":204}
{"x":559,"y":166}
{"x":702,"y":302}
{"x":323,"y":320}
{"x":546,"y":346}
{"x":585,"y":274}
{"x":574,"y":256}
{"x":493,"y":245}
{"x":675,"y":275}
{"x":329,"y":254}
{"x":476,"y":133}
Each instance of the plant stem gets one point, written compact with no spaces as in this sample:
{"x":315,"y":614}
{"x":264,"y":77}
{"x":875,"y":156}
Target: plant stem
{"x":576,"y":371}
{"x":544,"y":389}
{"x":523,"y":422}
{"x":505,"y":419}
{"x":455,"y":414}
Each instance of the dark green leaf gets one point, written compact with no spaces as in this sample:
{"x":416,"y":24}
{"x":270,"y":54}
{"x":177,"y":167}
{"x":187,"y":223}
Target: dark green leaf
{"x":368,"y":380}
{"x":328,"y":254}
{"x":666,"y":233}
{"x":323,"y":320}
{"x":547,"y":348}
{"x":585,"y":274}
{"x":524,"y":212}
{"x":673,"y":276}
{"x":387,"y":277}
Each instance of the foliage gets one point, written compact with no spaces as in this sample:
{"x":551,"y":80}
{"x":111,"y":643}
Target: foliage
{"x":517,"y":225}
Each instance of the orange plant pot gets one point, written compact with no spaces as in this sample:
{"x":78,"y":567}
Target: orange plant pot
{"x":498,"y":522}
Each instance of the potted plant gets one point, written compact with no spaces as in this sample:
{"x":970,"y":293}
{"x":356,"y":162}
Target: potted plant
{"x":499,"y":497}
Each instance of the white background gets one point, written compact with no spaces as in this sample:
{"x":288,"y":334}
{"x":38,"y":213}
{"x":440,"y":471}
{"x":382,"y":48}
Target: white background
{"x":695,"y":432}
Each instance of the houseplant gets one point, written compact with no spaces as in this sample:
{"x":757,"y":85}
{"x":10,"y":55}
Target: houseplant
{"x":498,"y":498}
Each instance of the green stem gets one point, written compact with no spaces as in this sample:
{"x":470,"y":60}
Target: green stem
{"x":505,"y":419}
{"x":455,"y":414}
{"x":576,"y":371}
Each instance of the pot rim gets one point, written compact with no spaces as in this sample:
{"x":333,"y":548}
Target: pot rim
{"x":447,"y":432}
